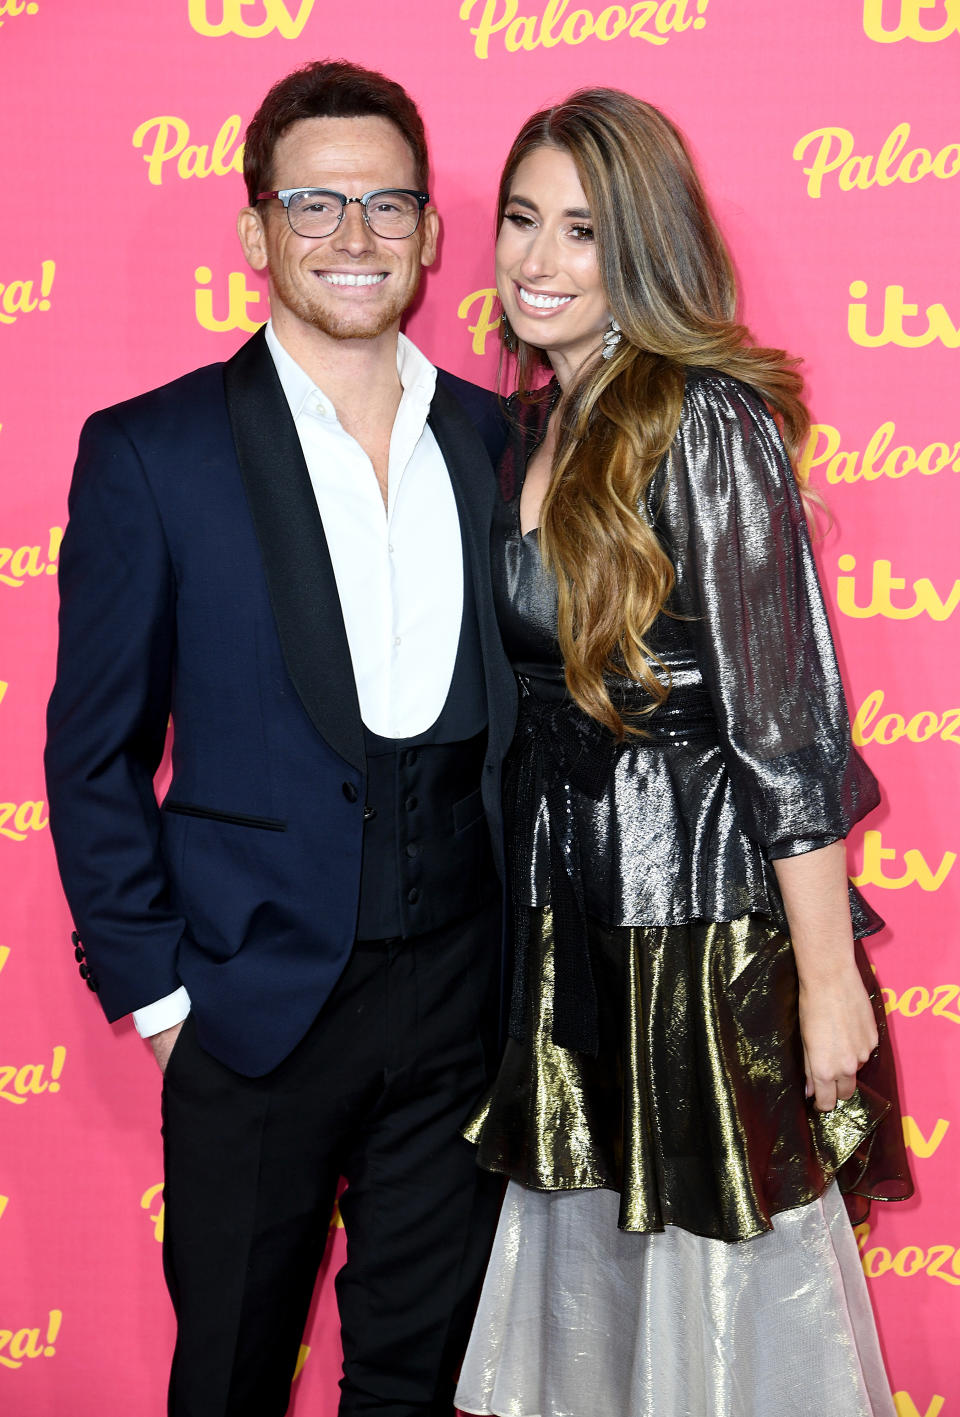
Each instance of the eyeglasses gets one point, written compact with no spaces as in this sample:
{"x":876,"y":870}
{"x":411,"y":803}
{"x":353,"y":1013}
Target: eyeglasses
{"x":390,"y":212}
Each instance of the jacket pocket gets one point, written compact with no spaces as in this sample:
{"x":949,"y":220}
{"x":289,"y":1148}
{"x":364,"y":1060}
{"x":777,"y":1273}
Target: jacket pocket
{"x":237,"y":819}
{"x":467,"y":811}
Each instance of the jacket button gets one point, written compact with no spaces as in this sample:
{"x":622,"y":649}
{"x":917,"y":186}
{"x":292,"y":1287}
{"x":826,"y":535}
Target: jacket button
{"x":93,"y":985}
{"x":79,"y":955}
{"x":84,"y":971}
{"x":413,"y":849}
{"x":410,"y":757}
{"x":413,"y":895}
{"x":411,"y":804}
{"x":350,"y":792}
{"x":369,"y":813}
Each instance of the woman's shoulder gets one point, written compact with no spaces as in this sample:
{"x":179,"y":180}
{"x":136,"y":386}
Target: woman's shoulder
{"x":711,"y":390}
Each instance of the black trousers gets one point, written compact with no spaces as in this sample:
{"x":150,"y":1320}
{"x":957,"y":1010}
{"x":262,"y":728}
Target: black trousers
{"x":376,"y":1092}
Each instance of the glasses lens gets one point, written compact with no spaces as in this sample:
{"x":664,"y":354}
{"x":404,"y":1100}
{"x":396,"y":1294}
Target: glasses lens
{"x":315,"y":213}
{"x":393,"y":214}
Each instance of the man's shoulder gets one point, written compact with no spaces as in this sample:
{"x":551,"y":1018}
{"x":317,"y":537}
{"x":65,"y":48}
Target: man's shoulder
{"x":483,"y":408}
{"x":173,"y":403}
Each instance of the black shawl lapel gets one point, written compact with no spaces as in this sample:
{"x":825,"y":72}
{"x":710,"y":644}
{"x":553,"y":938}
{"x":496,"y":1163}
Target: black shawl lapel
{"x":300,"y":578}
{"x":474,"y":487}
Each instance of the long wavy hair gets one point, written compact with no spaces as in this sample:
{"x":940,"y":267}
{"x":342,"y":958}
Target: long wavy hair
{"x":671,"y":287}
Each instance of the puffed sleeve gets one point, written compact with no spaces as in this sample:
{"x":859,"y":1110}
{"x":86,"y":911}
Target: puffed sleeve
{"x":728,"y":510}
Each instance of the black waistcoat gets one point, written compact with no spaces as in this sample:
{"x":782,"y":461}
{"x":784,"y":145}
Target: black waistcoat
{"x":426,"y":846}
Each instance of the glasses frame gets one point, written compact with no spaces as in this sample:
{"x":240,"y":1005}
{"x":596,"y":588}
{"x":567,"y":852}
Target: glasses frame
{"x":286,"y":195}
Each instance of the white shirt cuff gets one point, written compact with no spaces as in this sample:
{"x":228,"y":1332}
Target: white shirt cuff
{"x":164,"y":1013}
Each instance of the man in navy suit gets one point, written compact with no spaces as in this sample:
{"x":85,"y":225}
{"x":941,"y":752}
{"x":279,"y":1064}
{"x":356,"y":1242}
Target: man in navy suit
{"x":288,"y":553}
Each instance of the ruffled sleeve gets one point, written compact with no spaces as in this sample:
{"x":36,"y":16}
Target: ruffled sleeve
{"x":729,"y":513}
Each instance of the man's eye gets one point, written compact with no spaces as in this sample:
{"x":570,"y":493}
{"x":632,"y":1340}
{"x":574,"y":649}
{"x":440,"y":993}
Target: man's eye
{"x":318,"y":205}
{"x":387,"y":207}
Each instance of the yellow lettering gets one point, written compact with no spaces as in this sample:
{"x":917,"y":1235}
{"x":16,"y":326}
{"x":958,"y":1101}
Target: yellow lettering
{"x":170,"y":140}
{"x":4,"y":956}
{"x":302,"y":1357}
{"x":147,"y":1200}
{"x":521,"y":34}
{"x":486,"y":322}
{"x":26,"y":562}
{"x":906,"y":1407}
{"x":239,"y":299}
{"x":868,"y":710}
{"x":570,"y":34}
{"x":611,"y":22}
{"x":489,"y":24}
{"x":834,"y":146}
{"x":916,"y":871}
{"x":910,"y":25}
{"x":193,"y":162}
{"x":926,"y":601}
{"x":895,"y":310}
{"x":276,"y":17}
{"x":919,"y":1144}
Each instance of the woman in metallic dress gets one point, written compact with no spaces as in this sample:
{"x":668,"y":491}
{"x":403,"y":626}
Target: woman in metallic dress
{"x":698,"y":1072}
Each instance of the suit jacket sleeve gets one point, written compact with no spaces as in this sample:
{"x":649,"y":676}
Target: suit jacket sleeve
{"x":107,"y":721}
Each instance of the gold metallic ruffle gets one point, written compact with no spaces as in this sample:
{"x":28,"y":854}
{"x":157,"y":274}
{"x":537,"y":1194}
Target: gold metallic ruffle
{"x":694,"y":1109}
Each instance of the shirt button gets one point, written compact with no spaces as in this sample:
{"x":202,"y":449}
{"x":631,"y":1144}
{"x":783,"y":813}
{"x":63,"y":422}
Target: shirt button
{"x":390,"y":549}
{"x":396,"y":639}
{"x":411,"y":804}
{"x":413,"y":895}
{"x":349,"y":791}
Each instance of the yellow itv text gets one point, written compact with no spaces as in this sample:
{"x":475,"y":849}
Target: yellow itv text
{"x":266,"y":17}
{"x":916,"y":871}
{"x":939,"y":325}
{"x":239,"y":300}
{"x":888,"y":23}
{"x":927,"y":600}
{"x":906,"y":1407}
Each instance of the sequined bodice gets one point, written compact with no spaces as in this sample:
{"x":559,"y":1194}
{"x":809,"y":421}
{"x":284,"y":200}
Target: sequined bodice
{"x":750,"y":758}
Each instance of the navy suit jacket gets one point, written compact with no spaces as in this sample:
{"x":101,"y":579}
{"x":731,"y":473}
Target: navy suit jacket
{"x":196,"y":582}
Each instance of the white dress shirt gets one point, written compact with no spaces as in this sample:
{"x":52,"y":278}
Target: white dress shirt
{"x":399,"y":568}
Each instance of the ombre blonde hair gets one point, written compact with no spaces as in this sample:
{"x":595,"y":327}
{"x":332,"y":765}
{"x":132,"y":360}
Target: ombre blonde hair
{"x":671,"y":288}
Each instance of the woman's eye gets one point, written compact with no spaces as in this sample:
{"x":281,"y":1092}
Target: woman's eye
{"x":582,"y":233}
{"x":520,"y":219}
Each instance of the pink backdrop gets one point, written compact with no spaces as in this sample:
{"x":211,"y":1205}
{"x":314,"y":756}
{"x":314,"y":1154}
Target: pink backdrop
{"x":830,"y":137}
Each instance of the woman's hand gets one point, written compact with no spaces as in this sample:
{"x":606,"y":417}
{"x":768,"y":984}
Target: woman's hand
{"x":837,"y":1025}
{"x":839,"y":1033}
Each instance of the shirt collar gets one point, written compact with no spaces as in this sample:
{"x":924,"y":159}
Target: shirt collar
{"x":418,"y":376}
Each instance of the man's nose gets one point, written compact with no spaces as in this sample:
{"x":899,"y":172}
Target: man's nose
{"x":353,"y":234}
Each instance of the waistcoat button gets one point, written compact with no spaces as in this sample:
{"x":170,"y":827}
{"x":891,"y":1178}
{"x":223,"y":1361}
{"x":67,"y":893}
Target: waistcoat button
{"x":350,"y":792}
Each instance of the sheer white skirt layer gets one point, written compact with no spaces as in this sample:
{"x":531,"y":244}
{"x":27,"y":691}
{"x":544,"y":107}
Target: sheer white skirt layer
{"x":578,"y":1319}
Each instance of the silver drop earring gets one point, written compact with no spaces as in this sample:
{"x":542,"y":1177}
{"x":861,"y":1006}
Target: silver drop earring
{"x":611,"y":339}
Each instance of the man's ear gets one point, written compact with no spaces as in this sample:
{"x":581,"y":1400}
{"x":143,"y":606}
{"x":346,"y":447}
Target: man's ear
{"x":253,"y":238}
{"x":430,"y":229}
